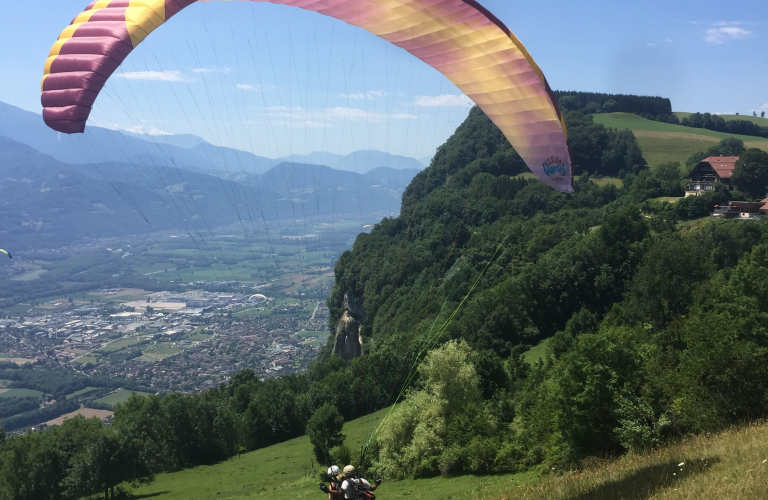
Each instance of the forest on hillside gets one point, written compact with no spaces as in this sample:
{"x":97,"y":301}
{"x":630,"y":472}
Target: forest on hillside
{"x":654,"y":318}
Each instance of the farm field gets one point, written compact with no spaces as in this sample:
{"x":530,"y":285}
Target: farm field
{"x":119,"y":396}
{"x":119,"y":344}
{"x":21,"y":393}
{"x":86,"y":412}
{"x":82,"y":392}
{"x":160,"y":351}
{"x":665,"y":142}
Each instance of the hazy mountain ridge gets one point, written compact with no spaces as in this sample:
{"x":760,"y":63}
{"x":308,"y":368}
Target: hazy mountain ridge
{"x":47,"y":203}
{"x":182,"y":150}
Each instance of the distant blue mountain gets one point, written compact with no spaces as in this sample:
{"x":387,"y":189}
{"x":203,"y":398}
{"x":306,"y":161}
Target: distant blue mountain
{"x":183,"y":151}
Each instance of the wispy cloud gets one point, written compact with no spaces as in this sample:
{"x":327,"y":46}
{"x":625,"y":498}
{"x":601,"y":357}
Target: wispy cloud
{"x":444,"y":100}
{"x":205,"y":71}
{"x":160,"y":76}
{"x":246,"y":86}
{"x":371,"y":94}
{"x":760,"y":109}
{"x":322,"y":117}
{"x":142,"y":130}
{"x":725,"y":34}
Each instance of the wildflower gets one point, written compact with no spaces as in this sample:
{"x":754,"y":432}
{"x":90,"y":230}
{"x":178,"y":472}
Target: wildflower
{"x":681,"y":464}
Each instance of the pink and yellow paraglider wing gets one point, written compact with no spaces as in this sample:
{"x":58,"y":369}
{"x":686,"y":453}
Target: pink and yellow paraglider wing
{"x":459,"y":38}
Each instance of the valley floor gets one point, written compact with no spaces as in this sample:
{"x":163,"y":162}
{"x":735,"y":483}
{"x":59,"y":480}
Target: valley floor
{"x":728,"y":466}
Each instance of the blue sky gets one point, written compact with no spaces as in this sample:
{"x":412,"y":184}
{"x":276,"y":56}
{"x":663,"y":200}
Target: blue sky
{"x":277,"y":80}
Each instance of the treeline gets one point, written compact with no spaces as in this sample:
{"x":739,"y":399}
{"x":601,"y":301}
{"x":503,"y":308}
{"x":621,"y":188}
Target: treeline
{"x":653,"y":108}
{"x":150,"y":434}
{"x":719,"y":124}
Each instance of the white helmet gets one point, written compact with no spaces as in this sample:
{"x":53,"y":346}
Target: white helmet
{"x":333,"y":470}
{"x":349,"y":470}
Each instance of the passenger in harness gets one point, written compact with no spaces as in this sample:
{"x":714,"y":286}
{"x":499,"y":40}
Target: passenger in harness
{"x":334,"y":491}
{"x":355,"y":487}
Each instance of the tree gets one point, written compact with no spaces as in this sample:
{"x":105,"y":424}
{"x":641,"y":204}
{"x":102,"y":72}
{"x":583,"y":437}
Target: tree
{"x":751,"y":173}
{"x":324,"y":431}
{"x":568,"y":103}
{"x":663,"y":286}
{"x":762,"y":115}
{"x":610,"y":106}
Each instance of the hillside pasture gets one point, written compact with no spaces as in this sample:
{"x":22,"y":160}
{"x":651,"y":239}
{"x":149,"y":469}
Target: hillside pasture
{"x":21,"y":393}
{"x":665,"y":142}
{"x":287,"y":471}
{"x":118,"y":396}
{"x":729,"y":466}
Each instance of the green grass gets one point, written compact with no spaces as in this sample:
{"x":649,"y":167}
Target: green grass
{"x":119,"y":396}
{"x":634,"y":122}
{"x":669,"y":199}
{"x":5,"y":383}
{"x":21,"y":393}
{"x":665,"y":142}
{"x":280,"y":472}
{"x":727,"y":466}
{"x":536,"y":353}
{"x":88,"y":358}
{"x":119,"y":344}
{"x":732,"y":465}
{"x":82,"y":392}
{"x":160,"y":351}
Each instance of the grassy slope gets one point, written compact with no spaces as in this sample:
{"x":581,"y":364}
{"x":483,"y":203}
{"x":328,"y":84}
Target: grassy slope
{"x":280,"y":473}
{"x":729,"y":466}
{"x":119,"y":396}
{"x":665,"y":142}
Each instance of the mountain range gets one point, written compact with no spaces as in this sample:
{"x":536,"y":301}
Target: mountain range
{"x":47,"y":203}
{"x":185,"y":150}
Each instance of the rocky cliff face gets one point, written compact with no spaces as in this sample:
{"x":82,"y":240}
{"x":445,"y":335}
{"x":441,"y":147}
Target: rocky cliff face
{"x":349,"y":340}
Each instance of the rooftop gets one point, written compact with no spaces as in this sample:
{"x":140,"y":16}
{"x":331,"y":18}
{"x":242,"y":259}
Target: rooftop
{"x":723,"y":165}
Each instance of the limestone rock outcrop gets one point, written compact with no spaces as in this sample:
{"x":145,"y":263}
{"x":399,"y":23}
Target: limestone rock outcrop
{"x":349,"y":343}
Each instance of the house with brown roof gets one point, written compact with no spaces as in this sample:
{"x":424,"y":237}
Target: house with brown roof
{"x":709,"y":172}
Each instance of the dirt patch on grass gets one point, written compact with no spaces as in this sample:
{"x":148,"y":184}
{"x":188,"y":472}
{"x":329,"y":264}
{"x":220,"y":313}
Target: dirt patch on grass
{"x":86,"y":412}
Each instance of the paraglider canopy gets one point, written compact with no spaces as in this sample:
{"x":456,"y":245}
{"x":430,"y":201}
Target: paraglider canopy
{"x":6,"y":253}
{"x":459,"y":38}
{"x":367,"y":226}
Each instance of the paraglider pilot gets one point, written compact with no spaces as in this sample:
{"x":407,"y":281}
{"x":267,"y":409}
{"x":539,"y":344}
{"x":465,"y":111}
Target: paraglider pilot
{"x":352,"y":487}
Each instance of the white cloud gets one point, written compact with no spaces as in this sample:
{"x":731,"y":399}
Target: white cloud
{"x":725,"y":33}
{"x":444,"y":100}
{"x":205,"y":71}
{"x":651,"y":44}
{"x":246,"y":86}
{"x":161,"y":76}
{"x":372,"y":94}
{"x":299,"y":116}
{"x":142,"y":130}
{"x":760,"y":109}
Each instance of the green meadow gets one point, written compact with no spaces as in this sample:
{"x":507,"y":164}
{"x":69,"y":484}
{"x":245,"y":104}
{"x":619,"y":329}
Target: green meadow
{"x":665,"y":142}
